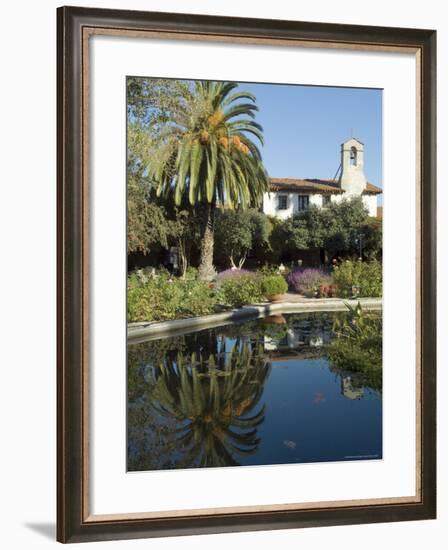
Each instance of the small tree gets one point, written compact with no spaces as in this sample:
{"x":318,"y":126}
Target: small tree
{"x":184,"y":229}
{"x":146,"y":220}
{"x":347,"y":219}
{"x":287,"y":236}
{"x":372,"y":233}
{"x":330,"y":230}
{"x":238,"y":232}
{"x":296,"y":234}
{"x":261,"y":228}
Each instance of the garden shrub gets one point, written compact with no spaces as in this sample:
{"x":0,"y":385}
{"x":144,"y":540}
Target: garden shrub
{"x":362,"y":279}
{"x":198,"y":298}
{"x":191,"y":273}
{"x":233,"y":273}
{"x":307,"y":281}
{"x":162,"y":298}
{"x":238,"y":291}
{"x":272,"y":269}
{"x":273,"y":284}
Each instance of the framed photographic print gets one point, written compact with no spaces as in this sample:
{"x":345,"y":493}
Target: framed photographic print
{"x":246,"y":274}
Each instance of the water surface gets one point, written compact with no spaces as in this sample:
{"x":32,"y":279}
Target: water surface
{"x":256,"y":393}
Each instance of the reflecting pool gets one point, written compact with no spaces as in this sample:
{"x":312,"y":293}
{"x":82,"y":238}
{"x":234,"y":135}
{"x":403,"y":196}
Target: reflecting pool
{"x":268,"y":391}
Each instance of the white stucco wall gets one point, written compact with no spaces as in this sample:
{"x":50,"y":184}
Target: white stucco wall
{"x":371,"y":203}
{"x":316,"y":199}
{"x":270,"y":203}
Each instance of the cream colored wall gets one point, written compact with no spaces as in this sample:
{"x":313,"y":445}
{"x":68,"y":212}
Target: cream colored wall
{"x":270,"y":202}
{"x":316,"y":199}
{"x":371,"y":203}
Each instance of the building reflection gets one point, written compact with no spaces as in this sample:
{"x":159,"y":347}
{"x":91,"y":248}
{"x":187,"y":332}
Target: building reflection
{"x":304,"y":339}
{"x":300,"y":335}
{"x":349,"y":388}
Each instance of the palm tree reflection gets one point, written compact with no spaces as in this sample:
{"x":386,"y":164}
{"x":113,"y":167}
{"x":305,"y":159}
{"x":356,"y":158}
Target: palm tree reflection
{"x":213,"y":393}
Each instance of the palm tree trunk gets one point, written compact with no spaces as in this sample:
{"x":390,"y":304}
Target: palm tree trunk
{"x":207,"y":270}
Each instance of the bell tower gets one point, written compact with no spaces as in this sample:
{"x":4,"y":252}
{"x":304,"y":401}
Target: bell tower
{"x":353,"y":180}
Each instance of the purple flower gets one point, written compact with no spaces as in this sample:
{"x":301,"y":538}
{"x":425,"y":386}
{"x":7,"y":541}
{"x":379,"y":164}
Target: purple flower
{"x":307,"y":280}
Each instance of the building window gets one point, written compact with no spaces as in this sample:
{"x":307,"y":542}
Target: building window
{"x":282,"y":202}
{"x":353,"y":156}
{"x":303,"y":202}
{"x":326,"y":200}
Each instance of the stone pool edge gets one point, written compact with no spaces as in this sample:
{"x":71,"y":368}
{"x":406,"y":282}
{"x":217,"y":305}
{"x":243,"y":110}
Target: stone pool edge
{"x":142,"y":331}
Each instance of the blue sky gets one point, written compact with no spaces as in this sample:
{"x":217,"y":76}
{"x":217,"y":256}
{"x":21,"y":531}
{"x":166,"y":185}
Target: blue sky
{"x":304,"y":127}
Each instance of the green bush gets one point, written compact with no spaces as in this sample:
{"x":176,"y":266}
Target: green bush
{"x":362,"y":279}
{"x":242,"y":290}
{"x":191,"y":273}
{"x":198,"y":298}
{"x":271,"y":269}
{"x":273,"y":284}
{"x":162,"y":298}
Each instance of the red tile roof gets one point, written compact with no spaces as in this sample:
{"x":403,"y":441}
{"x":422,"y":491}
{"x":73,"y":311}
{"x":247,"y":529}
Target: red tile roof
{"x":372,"y":189}
{"x":293,"y":185}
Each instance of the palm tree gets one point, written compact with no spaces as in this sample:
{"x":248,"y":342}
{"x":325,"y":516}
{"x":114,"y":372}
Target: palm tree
{"x":206,"y":157}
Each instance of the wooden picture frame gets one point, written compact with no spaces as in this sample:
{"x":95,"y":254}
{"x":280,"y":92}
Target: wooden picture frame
{"x":75,"y":26}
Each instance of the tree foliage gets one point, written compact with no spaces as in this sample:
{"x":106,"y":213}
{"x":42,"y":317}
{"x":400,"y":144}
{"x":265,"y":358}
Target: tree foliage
{"x":147,"y":224}
{"x":204,"y":154}
{"x":152,"y":106}
{"x":156,"y":102}
{"x":335,"y":229}
{"x":372,"y":232}
{"x":184,"y":230}
{"x":146,"y":219}
{"x":295,"y":234}
{"x":240,"y":231}
{"x":346,"y":221}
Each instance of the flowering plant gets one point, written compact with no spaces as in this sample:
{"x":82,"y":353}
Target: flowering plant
{"x":308,"y":280}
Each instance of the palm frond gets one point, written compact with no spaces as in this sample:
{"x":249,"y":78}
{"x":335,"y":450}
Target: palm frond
{"x":195,"y":165}
{"x":240,"y":109}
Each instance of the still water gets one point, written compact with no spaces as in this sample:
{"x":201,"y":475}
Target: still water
{"x":256,"y":393}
